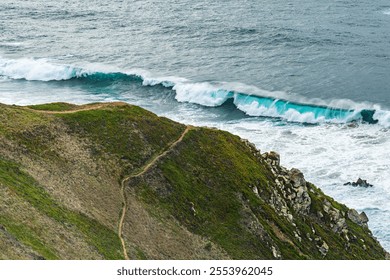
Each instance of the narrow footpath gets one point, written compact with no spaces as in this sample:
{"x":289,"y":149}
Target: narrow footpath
{"x":143,"y":170}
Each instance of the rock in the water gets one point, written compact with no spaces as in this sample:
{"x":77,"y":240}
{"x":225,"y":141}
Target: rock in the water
{"x":359,"y":183}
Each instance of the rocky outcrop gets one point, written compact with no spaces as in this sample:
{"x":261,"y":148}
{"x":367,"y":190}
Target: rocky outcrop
{"x":359,"y":183}
{"x":211,"y":195}
{"x":296,"y":198}
{"x":360,"y":219}
{"x":290,"y":182}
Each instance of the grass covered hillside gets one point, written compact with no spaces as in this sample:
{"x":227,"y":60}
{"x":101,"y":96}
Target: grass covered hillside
{"x":114,"y":181}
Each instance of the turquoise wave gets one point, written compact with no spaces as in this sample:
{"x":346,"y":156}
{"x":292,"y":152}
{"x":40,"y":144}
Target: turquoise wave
{"x":185,"y":91}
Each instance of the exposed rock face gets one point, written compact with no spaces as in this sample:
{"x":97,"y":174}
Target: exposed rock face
{"x":295,"y":190}
{"x":302,"y":201}
{"x":297,"y":178}
{"x":276,"y":253}
{"x":210,"y":195}
{"x":360,"y":219}
{"x":291,"y":182}
{"x":324,"y":248}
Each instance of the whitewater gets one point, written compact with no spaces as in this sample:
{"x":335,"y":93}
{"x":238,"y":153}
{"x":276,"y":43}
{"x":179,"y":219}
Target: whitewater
{"x":254,"y":103}
{"x":306,"y":79}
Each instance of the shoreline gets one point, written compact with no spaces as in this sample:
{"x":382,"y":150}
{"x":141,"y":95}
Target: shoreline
{"x":285,"y":191}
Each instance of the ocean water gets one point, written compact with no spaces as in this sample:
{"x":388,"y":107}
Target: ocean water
{"x":309,"y":79}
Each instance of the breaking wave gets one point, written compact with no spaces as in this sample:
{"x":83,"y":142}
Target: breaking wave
{"x":205,"y":94}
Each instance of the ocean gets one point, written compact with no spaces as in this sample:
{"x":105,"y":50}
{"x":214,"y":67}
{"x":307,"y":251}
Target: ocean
{"x":308,"y":79}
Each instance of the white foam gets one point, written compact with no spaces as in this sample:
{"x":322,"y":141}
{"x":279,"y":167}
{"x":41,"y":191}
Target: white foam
{"x":36,"y":70}
{"x":256,"y":109}
{"x":212,"y":95}
{"x":294,"y":97}
{"x":12,"y":44}
{"x":201,"y":93}
{"x":253,"y":90}
{"x":386,"y":12}
{"x":329,"y":155}
{"x":204,"y":93}
{"x":383,"y":117}
{"x":169,"y":81}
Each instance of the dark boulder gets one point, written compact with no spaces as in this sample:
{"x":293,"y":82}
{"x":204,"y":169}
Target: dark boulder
{"x":359,"y":183}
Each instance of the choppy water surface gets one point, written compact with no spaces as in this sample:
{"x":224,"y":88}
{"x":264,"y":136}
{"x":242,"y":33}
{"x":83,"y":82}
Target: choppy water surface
{"x":308,"y":79}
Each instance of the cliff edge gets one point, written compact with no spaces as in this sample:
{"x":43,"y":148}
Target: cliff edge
{"x":114,"y":181}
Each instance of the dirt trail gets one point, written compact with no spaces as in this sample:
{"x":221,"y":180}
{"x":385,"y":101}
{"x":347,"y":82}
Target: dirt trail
{"x":143,"y":170}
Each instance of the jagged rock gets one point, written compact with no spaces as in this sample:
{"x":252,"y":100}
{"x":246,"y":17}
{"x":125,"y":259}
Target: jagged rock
{"x":297,"y":236}
{"x":345,"y":232}
{"x":334,"y":214}
{"x":192,"y":208}
{"x":278,"y":203}
{"x":326,"y":206}
{"x":291,"y":196}
{"x":276,"y":253}
{"x":363,"y":218}
{"x":324,"y":248}
{"x":359,"y":183}
{"x":294,"y":189}
{"x":251,"y":146}
{"x":282,"y":178}
{"x":283,"y":170}
{"x":360,"y":219}
{"x":297,"y":178}
{"x":275,"y":157}
{"x":340,"y":225}
{"x":223,"y":206}
{"x":284,"y":210}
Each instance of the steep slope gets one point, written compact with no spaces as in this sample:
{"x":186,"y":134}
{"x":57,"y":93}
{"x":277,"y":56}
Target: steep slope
{"x":114,"y":181}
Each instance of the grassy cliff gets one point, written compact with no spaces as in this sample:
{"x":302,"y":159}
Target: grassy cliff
{"x":114,"y":181}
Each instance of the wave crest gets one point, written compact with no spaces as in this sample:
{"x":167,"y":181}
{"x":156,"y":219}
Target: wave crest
{"x":205,"y":94}
{"x":37,"y":70}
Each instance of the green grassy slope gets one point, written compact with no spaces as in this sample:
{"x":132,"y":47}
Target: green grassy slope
{"x":211,"y":196}
{"x":214,"y":172}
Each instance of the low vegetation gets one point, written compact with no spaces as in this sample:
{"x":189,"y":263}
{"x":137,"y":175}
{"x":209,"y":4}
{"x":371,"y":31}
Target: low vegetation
{"x":212,"y":195}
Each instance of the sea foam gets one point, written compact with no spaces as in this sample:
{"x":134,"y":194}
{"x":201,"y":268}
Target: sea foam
{"x":260,"y":104}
